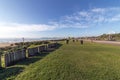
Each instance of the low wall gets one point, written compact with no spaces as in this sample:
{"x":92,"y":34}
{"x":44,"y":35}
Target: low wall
{"x":0,"y":61}
{"x":35,"y":50}
{"x":52,"y":45}
{"x":32,"y":51}
{"x":42,"y":48}
{"x":10,"y":58}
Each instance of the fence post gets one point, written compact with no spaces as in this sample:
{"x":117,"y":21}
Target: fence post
{"x":18,"y":54}
{"x":38,"y":49}
{"x":0,"y":62}
{"x":15,"y":57}
{"x":27,"y":54}
{"x":12,"y":57}
{"x":6,"y":60}
{"x":24,"y":53}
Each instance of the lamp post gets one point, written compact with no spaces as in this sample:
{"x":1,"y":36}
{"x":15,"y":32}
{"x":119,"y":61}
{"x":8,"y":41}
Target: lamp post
{"x":23,"y":41}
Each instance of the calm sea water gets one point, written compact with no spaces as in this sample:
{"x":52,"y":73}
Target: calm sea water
{"x":14,"y":40}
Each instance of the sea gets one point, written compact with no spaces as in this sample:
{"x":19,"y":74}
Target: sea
{"x":17,"y":40}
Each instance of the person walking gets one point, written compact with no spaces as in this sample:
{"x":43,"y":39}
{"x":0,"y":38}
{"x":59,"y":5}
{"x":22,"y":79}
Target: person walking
{"x":81,"y":41}
{"x":67,"y":41}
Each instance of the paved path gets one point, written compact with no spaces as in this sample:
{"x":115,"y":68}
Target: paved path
{"x":108,"y":42}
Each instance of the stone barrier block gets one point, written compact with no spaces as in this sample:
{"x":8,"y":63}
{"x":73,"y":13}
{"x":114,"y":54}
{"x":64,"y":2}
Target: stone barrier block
{"x":42,"y":48}
{"x":32,"y":51}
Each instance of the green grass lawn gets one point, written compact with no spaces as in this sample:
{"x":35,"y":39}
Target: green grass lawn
{"x":90,"y":61}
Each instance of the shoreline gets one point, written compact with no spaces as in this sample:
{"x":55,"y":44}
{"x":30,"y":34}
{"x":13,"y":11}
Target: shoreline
{"x":8,"y":44}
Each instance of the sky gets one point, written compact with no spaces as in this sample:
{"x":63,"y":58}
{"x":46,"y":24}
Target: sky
{"x":58,"y":18}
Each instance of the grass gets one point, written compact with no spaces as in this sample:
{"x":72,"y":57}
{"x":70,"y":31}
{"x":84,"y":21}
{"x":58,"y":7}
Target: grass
{"x":11,"y":72}
{"x":73,"y":61}
{"x":32,"y":46}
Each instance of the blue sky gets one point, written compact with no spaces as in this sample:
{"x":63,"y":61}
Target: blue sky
{"x":58,"y":18}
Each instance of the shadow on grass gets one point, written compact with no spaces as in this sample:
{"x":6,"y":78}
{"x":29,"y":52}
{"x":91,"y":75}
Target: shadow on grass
{"x":32,"y":59}
{"x":9,"y":72}
{"x":38,"y":56}
{"x":13,"y":71}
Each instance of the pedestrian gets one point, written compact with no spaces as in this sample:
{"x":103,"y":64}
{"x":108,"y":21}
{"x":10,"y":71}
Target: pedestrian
{"x":67,"y":41}
{"x":81,"y":41}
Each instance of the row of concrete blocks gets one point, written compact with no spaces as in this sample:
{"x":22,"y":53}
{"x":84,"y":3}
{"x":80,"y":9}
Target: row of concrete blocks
{"x":10,"y":58}
{"x":35,"y":50}
{"x":40,"y":49}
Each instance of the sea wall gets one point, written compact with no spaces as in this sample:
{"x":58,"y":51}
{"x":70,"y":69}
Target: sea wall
{"x":10,"y":58}
{"x":52,"y":45}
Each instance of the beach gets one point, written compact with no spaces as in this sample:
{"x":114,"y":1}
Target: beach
{"x":4,"y":44}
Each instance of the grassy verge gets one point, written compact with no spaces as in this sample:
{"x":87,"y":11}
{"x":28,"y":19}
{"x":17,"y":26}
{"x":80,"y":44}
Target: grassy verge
{"x":11,"y":72}
{"x":90,"y":61}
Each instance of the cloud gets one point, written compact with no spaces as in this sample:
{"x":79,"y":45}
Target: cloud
{"x":25,"y":27}
{"x":91,"y":17}
{"x":19,"y":30}
{"x":101,"y":10}
{"x":79,"y":19}
{"x":115,"y":18}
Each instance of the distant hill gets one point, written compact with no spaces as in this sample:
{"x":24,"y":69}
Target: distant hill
{"x":111,"y":37}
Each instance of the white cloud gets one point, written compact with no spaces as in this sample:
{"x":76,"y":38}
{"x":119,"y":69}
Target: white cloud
{"x":80,"y":19}
{"x":25,"y":27}
{"x":101,"y":10}
{"x":19,"y":30}
{"x":83,"y":13}
{"x":91,"y":17}
{"x":115,"y":18}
